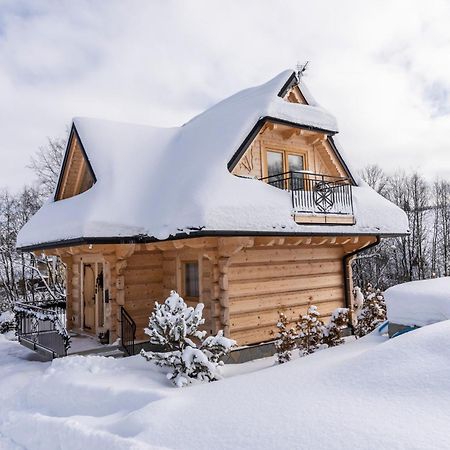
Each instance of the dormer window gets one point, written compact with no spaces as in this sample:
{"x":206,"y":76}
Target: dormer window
{"x":279,"y":163}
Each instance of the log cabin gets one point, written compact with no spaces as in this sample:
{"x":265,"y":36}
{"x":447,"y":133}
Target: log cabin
{"x":251,"y":208}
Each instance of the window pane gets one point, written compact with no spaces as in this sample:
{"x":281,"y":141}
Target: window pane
{"x":274,"y":163}
{"x":191,"y":285}
{"x":275,"y":168}
{"x":295,"y":164}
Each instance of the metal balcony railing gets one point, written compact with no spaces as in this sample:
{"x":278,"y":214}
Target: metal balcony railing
{"x":315,"y":193}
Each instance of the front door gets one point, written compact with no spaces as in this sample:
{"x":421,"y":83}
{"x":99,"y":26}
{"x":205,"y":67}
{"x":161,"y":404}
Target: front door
{"x":89,"y":297}
{"x":94,"y":308}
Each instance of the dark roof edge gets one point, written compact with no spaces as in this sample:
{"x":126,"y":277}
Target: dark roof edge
{"x":141,"y":239}
{"x":73,"y":131}
{"x":341,"y":159}
{"x":256,"y":129}
{"x":290,"y":82}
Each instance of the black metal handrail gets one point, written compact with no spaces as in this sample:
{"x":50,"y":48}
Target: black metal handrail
{"x":41,"y":326}
{"x":315,"y":193}
{"x":128,"y":332}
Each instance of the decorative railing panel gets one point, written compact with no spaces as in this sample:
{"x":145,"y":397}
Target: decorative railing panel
{"x":41,"y":327}
{"x":315,"y":193}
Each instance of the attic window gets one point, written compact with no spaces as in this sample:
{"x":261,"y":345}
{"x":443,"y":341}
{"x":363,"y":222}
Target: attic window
{"x":191,"y":279}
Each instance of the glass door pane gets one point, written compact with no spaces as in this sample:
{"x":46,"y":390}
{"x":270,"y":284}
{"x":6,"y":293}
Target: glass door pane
{"x":275,"y":168}
{"x":295,"y":165}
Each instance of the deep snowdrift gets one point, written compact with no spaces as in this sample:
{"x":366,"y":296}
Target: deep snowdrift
{"x":420,"y":302}
{"x":367,"y":394}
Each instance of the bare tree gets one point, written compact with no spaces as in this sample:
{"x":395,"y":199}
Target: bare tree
{"x":417,"y":255}
{"x":25,"y":276}
{"x":440,"y":252}
{"x":46,"y":164}
{"x":375,"y":177}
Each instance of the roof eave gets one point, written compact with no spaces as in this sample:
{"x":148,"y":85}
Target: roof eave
{"x":143,"y":239}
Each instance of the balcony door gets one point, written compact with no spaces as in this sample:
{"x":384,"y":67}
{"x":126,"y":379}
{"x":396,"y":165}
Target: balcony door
{"x":279,"y":163}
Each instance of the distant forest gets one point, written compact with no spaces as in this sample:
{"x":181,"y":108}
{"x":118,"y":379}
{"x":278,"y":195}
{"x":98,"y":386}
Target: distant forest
{"x":425,"y":252}
{"x":422,"y":254}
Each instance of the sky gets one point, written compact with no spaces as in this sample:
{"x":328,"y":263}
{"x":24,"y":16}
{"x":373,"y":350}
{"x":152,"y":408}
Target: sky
{"x":381,"y":67}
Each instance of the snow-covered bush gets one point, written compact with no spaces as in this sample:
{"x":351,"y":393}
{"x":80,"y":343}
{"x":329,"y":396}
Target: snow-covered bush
{"x":287,"y":340}
{"x":358,"y":297}
{"x":371,"y":313}
{"x":189,"y":354}
{"x":7,"y":322}
{"x":332,"y":331}
{"x":310,"y":331}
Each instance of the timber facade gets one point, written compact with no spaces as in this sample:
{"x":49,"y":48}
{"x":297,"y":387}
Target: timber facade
{"x":244,"y":282}
{"x":244,"y":279}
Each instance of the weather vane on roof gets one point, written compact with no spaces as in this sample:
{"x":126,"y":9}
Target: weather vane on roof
{"x":301,"y":69}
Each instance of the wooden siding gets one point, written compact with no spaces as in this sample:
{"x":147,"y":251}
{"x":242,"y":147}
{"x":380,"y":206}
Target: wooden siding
{"x":266,"y":281}
{"x":172,"y":264}
{"x":320,"y":158}
{"x":76,"y":177}
{"x":143,"y":285}
{"x":294,"y":95}
{"x":244,"y":281}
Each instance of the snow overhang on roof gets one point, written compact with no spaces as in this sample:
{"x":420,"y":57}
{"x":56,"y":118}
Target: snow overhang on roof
{"x":157,"y":183}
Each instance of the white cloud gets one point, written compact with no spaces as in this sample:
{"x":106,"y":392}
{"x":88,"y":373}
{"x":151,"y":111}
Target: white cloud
{"x":381,"y":67}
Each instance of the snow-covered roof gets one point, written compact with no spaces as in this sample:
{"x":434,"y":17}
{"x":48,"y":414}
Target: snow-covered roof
{"x":161,"y":182}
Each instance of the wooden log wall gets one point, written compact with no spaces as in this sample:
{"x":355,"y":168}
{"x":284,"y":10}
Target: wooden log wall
{"x":265,"y":281}
{"x":142,"y":286}
{"x":73,"y":293}
{"x":244,"y":281}
{"x":172,"y":268}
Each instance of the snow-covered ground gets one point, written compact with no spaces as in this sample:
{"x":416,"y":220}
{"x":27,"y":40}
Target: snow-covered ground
{"x":419,"y":303}
{"x":367,"y":394}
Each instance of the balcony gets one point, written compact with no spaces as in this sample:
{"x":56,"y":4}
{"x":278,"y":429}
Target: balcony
{"x":316,"y":198}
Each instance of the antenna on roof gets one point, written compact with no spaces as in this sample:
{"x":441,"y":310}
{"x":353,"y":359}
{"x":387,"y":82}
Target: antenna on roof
{"x":301,"y":69}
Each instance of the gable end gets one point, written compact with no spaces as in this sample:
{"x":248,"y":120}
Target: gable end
{"x":257,"y":128}
{"x":290,"y":83}
{"x":291,"y":91}
{"x":76,"y":174}
{"x":341,"y":160}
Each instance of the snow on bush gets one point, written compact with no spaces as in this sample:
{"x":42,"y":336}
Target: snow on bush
{"x":189,"y":355}
{"x":7,"y":322}
{"x":372,"y":311}
{"x":310,"y":333}
{"x":332,"y":331}
{"x":358,"y":298}
{"x":310,"y":329}
{"x":287,"y":340}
